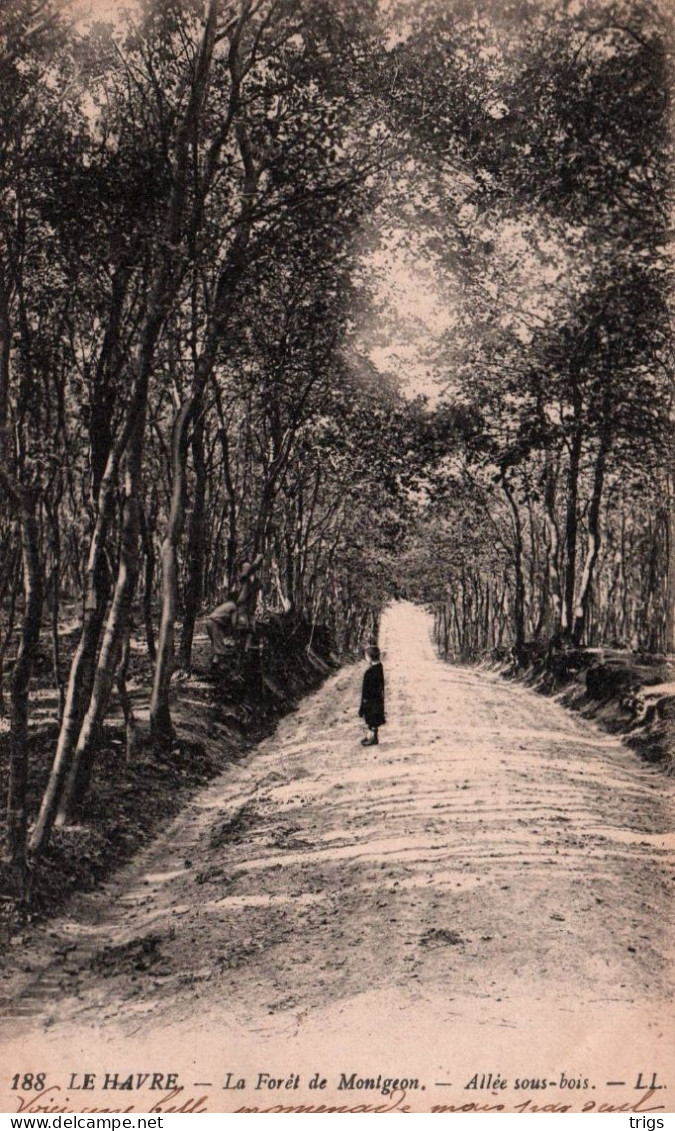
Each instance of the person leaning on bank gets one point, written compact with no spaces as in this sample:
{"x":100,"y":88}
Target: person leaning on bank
{"x":372,"y":696}
{"x":238,"y":611}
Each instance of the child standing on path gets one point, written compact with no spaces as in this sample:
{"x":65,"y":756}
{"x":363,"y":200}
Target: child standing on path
{"x":372,"y":696}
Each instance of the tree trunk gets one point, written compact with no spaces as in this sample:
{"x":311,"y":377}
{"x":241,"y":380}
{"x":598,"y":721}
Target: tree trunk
{"x":83,"y":665}
{"x":194,"y":584}
{"x":232,"y":538}
{"x":148,"y":582}
{"x":55,"y":604}
{"x":571,"y":530}
{"x":118,"y":619}
{"x":24,"y":503}
{"x":223,"y":302}
{"x":519,"y":578}
{"x":670,"y":567}
{"x":103,"y":387}
{"x":13,"y":581}
{"x":552,"y":585}
{"x":581,"y":611}
{"x":130,"y":725}
{"x":161,"y":729}
{"x":105,"y":458}
{"x":17,"y":815}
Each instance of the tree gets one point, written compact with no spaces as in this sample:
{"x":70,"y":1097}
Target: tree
{"x":550,"y":207}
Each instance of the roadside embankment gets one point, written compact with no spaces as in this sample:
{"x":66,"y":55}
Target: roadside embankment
{"x":627,"y":693}
{"x":218,"y":713}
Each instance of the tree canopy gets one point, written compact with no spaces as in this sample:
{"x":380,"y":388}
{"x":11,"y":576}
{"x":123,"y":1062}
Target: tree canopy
{"x":375,"y":296}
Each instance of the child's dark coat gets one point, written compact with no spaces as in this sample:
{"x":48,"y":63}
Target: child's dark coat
{"x":372,"y":697}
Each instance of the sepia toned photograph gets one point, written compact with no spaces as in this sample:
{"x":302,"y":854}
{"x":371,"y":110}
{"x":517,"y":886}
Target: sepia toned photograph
{"x":337,"y":556}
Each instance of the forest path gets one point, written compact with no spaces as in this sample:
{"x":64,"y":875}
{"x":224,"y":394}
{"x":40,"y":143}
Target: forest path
{"x":496,"y":864}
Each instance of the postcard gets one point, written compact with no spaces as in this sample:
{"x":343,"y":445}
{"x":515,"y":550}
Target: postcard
{"x":337,"y":601}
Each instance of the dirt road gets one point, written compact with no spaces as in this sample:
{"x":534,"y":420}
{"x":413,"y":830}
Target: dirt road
{"x":493,"y":882}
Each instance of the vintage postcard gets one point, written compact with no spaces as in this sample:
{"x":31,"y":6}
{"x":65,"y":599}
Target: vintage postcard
{"x":337,"y":556}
